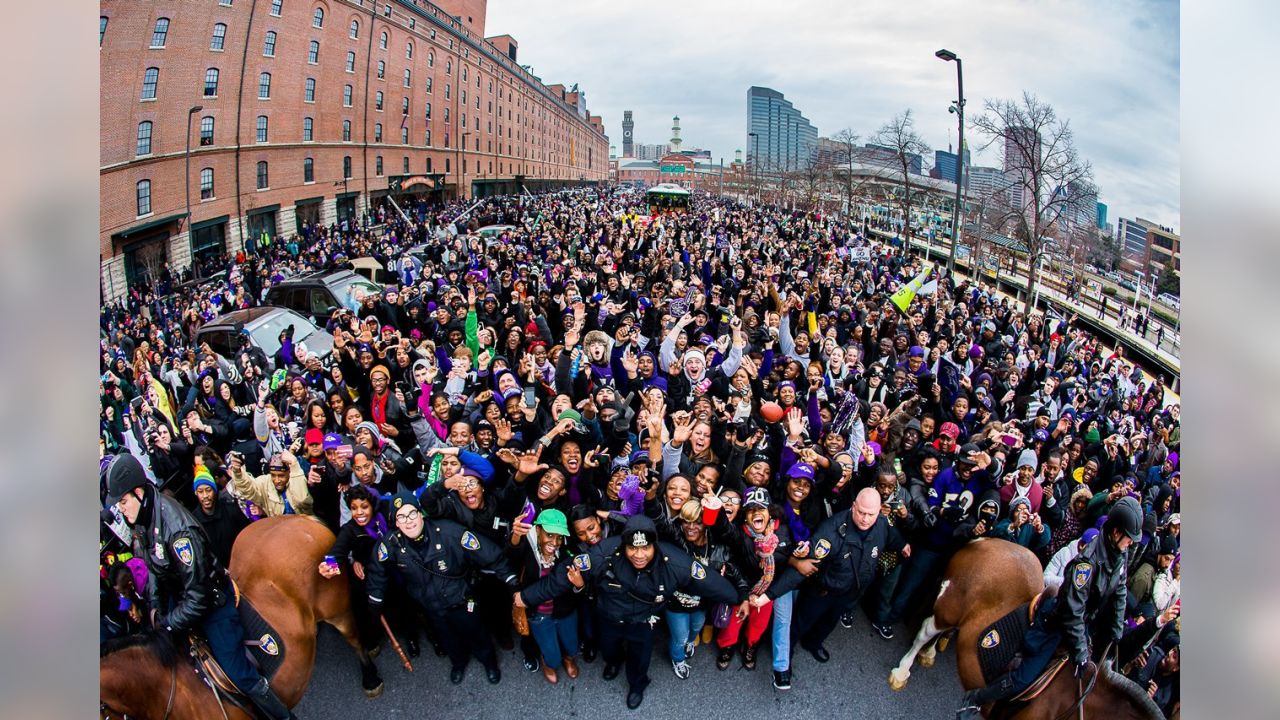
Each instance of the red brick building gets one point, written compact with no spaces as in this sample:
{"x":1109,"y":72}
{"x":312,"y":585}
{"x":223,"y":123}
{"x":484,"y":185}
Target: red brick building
{"x":312,"y":110}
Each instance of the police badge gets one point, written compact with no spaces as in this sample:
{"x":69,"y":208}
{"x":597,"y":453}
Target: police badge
{"x":582,"y":562}
{"x":875,"y":551}
{"x":1081,"y":573}
{"x":182,"y":548}
{"x":698,"y":571}
{"x":382,"y":552}
{"x":469,"y":541}
{"x":991,"y":639}
{"x":821,"y":549}
{"x":268,"y":645}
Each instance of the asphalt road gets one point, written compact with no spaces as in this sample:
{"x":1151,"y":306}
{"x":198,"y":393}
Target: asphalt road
{"x":853,"y":684}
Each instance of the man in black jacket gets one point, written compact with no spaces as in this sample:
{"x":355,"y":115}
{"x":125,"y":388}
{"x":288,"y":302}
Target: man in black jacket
{"x":219,"y":515}
{"x":844,"y":553}
{"x":187,"y":587}
{"x":635,"y":576}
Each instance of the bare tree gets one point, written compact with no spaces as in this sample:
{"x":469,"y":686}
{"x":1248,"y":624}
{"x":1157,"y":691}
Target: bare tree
{"x":1050,"y":180}
{"x":901,"y":146}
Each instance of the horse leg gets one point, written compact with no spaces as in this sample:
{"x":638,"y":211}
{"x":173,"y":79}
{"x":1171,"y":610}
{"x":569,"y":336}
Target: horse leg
{"x":370,"y":680}
{"x":899,"y":675}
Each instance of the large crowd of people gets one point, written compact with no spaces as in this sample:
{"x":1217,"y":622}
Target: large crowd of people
{"x":603,"y":435}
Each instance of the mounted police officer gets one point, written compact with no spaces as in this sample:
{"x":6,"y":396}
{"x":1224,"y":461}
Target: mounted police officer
{"x":187,"y":587}
{"x":841,"y":561}
{"x":434,"y":558}
{"x":1091,"y":601}
{"x":635,"y":576}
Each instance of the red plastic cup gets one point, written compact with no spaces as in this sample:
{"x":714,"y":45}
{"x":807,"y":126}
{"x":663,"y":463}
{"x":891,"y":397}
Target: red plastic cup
{"x":709,"y":515}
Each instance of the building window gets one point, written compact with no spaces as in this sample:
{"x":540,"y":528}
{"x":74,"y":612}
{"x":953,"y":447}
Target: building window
{"x":206,"y":130}
{"x":309,"y":94}
{"x":382,"y":69}
{"x":225,"y":3}
{"x":355,"y":30}
{"x":463,"y":120}
{"x":102,"y":29}
{"x":404,"y":106}
{"x":144,"y":197}
{"x":149,"y":80}
{"x":351,"y":61}
{"x":275,"y":7}
{"x":317,"y":20}
{"x":446,"y":114}
{"x":269,"y":46}
{"x":446,"y":160}
{"x":386,"y":11}
{"x":346,"y":167}
{"x":382,"y":41}
{"x":206,"y":184}
{"x":346,"y":131}
{"x":306,"y":129}
{"x":404,"y":136}
{"x":377,"y":166}
{"x":447,"y":89}
{"x":462,"y":96}
{"x":428,"y":83}
{"x":313,"y":52}
{"x":464,"y":73}
{"x":377,"y":100}
{"x":264,"y":86}
{"x":428,"y":164}
{"x":377,"y":132}
{"x":161,"y":33}
{"x":408,"y":75}
{"x":428,"y":111}
{"x":448,"y":66}
{"x":262,"y":128}
{"x":446,"y":139}
{"x":426,"y":138}
{"x":144,"y":138}
{"x":346,"y":96}
{"x":219,"y":36}
{"x":408,"y":51}
{"x":262,"y":175}
{"x":431,"y":59}
{"x":308,"y":170}
{"x":406,"y":164}
{"x":211,"y":82}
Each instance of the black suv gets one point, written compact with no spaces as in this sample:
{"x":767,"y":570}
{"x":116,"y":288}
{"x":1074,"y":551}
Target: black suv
{"x":317,"y":294}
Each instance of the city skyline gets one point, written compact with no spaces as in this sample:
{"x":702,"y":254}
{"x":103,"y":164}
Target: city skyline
{"x":1111,"y":69}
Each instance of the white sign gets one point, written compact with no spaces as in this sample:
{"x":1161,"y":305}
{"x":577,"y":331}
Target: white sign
{"x":860,"y":254}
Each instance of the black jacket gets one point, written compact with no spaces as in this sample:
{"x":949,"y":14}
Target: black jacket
{"x":435,"y":567}
{"x":185,"y":580}
{"x":222,"y":526}
{"x":1093,"y":596}
{"x":627,"y":595}
{"x":847,"y":557}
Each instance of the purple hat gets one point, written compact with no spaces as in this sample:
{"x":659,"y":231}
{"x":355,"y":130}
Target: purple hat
{"x":803,"y":471}
{"x":1040,"y":436}
{"x":1089,"y":535}
{"x":875,"y":447}
{"x":1173,"y":460}
{"x":788,"y":383}
{"x":332,"y":441}
{"x":915,"y":351}
{"x":975,"y":351}
{"x":431,"y":306}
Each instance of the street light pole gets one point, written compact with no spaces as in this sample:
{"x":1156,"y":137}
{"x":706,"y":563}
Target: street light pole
{"x":755,"y":164}
{"x":462,"y":165}
{"x":948,"y":56}
{"x":191,"y":252}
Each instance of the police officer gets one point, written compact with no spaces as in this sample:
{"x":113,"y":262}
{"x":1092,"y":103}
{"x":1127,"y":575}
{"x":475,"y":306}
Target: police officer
{"x":841,"y":560}
{"x":635,"y":576}
{"x":434,"y":558}
{"x":1091,"y":600}
{"x":187,"y":587}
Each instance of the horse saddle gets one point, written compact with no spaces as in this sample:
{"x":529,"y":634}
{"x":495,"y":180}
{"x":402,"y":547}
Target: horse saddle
{"x":999,"y":643}
{"x":209,"y":671}
{"x":266,"y":646}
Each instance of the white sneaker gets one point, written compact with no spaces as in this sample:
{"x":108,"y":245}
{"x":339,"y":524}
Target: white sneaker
{"x":689,"y":647}
{"x":681,"y":669}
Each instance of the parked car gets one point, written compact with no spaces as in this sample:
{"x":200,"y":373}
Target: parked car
{"x":317,"y":294}
{"x":493,"y":231}
{"x":371,"y":269}
{"x":261,"y":327}
{"x":1129,"y":285}
{"x":1171,"y":300}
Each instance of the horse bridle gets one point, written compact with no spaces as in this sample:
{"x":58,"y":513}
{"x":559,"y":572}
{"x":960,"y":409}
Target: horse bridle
{"x":168,"y":706}
{"x":1082,"y":691}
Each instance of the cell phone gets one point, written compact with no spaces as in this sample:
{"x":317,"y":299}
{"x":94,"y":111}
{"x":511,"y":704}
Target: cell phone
{"x":1009,"y":440}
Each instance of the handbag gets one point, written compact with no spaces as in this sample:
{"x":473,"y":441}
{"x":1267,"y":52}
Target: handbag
{"x":520,"y":619}
{"x":722,"y":616}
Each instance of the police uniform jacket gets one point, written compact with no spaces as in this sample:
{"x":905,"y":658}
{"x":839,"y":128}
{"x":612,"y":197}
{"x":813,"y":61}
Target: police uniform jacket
{"x":1093,"y":594}
{"x":847,"y":557}
{"x":627,"y":595}
{"x":185,"y":580}
{"x":435,"y":566}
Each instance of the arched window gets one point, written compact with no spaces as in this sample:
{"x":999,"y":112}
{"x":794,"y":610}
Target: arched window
{"x":275,"y":7}
{"x":308,"y":170}
{"x":219,"y":36}
{"x":346,"y":131}
{"x":206,"y":130}
{"x":206,"y":184}
{"x":404,"y":136}
{"x":262,"y":129}
{"x":426,"y":138}
{"x":269,"y":45}
{"x":144,"y":138}
{"x":351,"y":61}
{"x":317,"y":20}
{"x":431,"y":59}
{"x":346,"y":96}
{"x":404,"y":106}
{"x":377,"y":132}
{"x":428,"y":83}
{"x":448,"y":66}
{"x":355,"y":29}
{"x":102,"y":29}
{"x":408,"y":50}
{"x":263,"y":183}
{"x":377,"y":166}
{"x":144,"y":197}
{"x":313,"y":52}
{"x":149,"y":80}
{"x":211,"y":82}
{"x":382,"y":69}
{"x":382,"y":40}
{"x":309,"y":94}
{"x":428,"y":111}
{"x":408,"y":75}
{"x":307,"y":126}
{"x":160,"y":33}
{"x":264,"y":86}
{"x":346,"y":167}
{"x":377,"y":100}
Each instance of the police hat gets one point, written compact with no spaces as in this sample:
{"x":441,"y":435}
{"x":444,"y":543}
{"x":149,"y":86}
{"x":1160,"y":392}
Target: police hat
{"x":124,"y":474}
{"x":639,"y":531}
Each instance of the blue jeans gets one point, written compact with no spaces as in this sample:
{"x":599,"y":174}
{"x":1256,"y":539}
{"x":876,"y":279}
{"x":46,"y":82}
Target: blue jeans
{"x":684,"y":627}
{"x":782,"y":631}
{"x":556,"y":637}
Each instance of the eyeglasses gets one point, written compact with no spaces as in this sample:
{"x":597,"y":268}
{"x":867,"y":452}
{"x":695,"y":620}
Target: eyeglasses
{"x":407,"y":515}
{"x":730,"y":500}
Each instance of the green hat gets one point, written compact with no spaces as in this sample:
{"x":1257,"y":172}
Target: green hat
{"x":1092,"y":436}
{"x":573,"y":415}
{"x":553,"y":521}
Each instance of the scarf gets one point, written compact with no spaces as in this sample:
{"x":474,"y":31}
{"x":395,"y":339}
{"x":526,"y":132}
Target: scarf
{"x":765,"y":545}
{"x":377,"y":527}
{"x":799,"y":532}
{"x":378,"y":407}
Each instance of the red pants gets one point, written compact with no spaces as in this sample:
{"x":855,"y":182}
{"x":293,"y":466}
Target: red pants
{"x":757,"y":622}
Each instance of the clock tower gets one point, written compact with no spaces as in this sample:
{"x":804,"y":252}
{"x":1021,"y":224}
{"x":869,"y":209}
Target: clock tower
{"x":628,"y":131}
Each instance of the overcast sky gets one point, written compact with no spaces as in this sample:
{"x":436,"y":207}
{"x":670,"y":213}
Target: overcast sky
{"x":1110,"y":67}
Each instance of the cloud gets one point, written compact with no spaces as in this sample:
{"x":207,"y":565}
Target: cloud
{"x":1111,"y":68}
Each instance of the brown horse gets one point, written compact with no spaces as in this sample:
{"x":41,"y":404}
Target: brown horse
{"x":273,"y":564}
{"x":986,"y":580}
